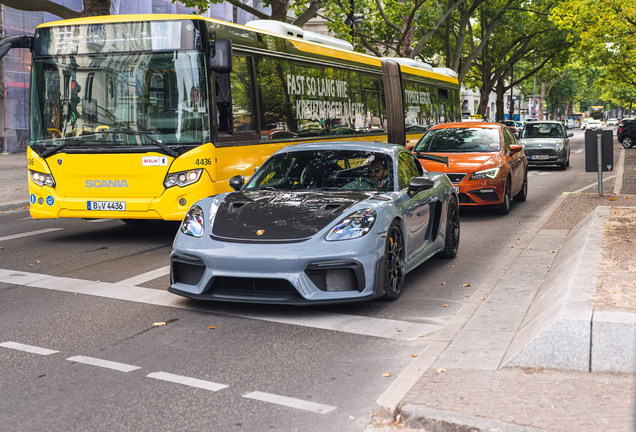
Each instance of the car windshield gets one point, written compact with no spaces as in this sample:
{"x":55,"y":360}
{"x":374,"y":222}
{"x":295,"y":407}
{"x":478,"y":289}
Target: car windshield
{"x":327,"y":170}
{"x":451,"y":140}
{"x":83,"y":100}
{"x":542,"y":130}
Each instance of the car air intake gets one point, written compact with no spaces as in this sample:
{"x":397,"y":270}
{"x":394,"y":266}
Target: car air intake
{"x":341,"y":279}
{"x":188,"y":273}
{"x":252,"y":284}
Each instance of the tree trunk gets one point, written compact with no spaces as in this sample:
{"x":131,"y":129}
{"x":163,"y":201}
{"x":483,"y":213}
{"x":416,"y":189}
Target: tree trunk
{"x":500,"y":91}
{"x":96,"y":7}
{"x":279,"y":10}
{"x":541,"y":96}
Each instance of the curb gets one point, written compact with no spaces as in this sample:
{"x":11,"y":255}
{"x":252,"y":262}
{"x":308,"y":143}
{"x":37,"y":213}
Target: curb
{"x":13,"y":205}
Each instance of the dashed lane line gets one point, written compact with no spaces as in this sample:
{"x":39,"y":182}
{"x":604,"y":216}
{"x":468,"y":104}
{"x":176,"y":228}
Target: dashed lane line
{"x":192,"y":382}
{"x":28,"y":348}
{"x":353,"y":324}
{"x":30,"y":233}
{"x":145,"y":277}
{"x":290,"y":402}
{"x":122,"y":367}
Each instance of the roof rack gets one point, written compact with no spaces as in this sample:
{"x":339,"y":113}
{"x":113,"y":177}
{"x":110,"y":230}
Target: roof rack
{"x":410,"y":62}
{"x":285,"y":29}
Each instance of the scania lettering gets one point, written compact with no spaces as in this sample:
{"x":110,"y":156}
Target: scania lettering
{"x":106,"y":183}
{"x":140,"y":116}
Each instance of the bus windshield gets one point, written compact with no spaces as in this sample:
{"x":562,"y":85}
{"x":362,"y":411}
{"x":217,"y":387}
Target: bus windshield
{"x":85,"y":100}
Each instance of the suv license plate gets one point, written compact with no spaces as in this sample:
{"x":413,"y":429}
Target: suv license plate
{"x":106,"y":205}
{"x":540,"y":157}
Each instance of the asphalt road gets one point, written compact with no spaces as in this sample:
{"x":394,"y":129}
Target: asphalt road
{"x":260,"y":368}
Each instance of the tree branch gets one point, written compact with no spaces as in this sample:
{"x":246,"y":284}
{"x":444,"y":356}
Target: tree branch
{"x":311,"y":12}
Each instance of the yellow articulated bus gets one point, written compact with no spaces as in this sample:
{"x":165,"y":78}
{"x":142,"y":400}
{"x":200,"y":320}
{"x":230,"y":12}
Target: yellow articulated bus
{"x":139,"y":116}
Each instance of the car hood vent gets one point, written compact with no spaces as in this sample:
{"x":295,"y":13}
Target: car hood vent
{"x":273,"y":216}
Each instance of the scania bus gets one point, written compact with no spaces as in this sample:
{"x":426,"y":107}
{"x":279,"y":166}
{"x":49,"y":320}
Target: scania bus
{"x":139,"y":116}
{"x":596,"y":112}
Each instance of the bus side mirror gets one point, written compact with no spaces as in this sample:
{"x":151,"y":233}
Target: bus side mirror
{"x":15,"y":42}
{"x":221,"y":56}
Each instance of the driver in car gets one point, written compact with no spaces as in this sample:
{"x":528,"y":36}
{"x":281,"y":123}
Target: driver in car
{"x":379,"y":175}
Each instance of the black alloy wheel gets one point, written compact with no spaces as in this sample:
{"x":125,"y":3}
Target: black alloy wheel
{"x":627,"y":142}
{"x":504,"y":208}
{"x":522,"y":195}
{"x":394,"y":257}
{"x":451,"y":243}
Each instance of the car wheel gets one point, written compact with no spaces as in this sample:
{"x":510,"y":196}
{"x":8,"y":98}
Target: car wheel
{"x":567,"y":162}
{"x":393,"y":263}
{"x":563,"y":166}
{"x":627,"y":142}
{"x":451,"y":242}
{"x":522,"y":195}
{"x":504,"y":208}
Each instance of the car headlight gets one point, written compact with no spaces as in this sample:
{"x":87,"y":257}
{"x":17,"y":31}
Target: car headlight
{"x":182,"y":178}
{"x":42,"y":179}
{"x":353,"y":226}
{"x":523,"y":142}
{"x":193,"y":224}
{"x":485,"y":174}
{"x":559,"y":145}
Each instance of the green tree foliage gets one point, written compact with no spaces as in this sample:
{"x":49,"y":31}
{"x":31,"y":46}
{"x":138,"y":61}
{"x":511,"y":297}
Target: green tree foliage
{"x":91,"y":7}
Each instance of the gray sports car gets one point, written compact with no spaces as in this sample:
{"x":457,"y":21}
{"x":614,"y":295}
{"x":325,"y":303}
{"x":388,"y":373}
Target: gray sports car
{"x":317,"y":223}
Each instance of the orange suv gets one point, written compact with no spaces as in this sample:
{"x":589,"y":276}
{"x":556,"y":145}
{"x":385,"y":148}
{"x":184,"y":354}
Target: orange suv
{"x":483,"y":161}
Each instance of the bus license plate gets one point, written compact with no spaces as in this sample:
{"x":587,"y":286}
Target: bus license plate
{"x":540,"y":157}
{"x":456,"y":189}
{"x":106,"y":205}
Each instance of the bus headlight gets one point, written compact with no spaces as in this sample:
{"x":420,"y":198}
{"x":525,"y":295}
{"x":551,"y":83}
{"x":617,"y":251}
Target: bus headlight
{"x":42,"y":179}
{"x":193,"y":224}
{"x":182,"y":178}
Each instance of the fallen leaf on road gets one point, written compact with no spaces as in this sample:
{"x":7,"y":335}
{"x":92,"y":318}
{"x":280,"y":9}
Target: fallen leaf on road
{"x":466,"y":285}
{"x":612,"y":199}
{"x":212,"y":327}
{"x":449,"y":265}
{"x":352,"y":418}
{"x":440,"y":370}
{"x":414,"y":355}
{"x":386,"y":375}
{"x":157,"y":324}
{"x":553,"y":251}
{"x":442,"y":283}
{"x":37,"y":261}
{"x":420,"y":335}
{"x":1,"y":248}
{"x":444,"y":305}
{"x":97,"y":281}
{"x":512,"y":247}
{"x":30,"y":265}
{"x":483,"y":298}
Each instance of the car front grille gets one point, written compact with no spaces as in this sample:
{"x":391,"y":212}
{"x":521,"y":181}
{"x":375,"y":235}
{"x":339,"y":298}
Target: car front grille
{"x":535,"y":152}
{"x":456,"y":177}
{"x":253,"y":284}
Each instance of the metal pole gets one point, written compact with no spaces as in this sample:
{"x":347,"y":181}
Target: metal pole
{"x":599,"y":162}
{"x":534,"y":88}
{"x":512,"y":99}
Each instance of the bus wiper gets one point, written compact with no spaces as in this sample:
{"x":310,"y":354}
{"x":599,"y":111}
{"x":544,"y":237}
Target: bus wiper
{"x":55,"y":149}
{"x":147,"y":134}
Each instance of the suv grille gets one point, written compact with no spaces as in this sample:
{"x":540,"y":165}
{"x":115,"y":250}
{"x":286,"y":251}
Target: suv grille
{"x":533,"y":152}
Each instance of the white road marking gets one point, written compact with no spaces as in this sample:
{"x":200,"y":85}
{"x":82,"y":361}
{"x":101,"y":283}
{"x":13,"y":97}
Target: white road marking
{"x":145,"y":277}
{"x":192,"y":382}
{"x":30,"y":233}
{"x":28,"y":348}
{"x":26,"y":218}
{"x":99,"y":220}
{"x":290,"y":402}
{"x":577,"y":151}
{"x":592,"y":185}
{"x":122,"y":367}
{"x":365,"y":326}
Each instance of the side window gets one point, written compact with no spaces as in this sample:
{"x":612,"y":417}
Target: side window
{"x":277,"y":113}
{"x":374,"y":104}
{"x":235,"y":103}
{"x":508,"y":139}
{"x":417,"y":106}
{"x":407,"y":169}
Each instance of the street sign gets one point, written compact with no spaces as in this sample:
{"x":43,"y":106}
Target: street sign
{"x":607,"y":150}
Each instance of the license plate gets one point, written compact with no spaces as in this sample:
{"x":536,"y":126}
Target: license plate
{"x":106,"y":205}
{"x":456,"y":189}
{"x":540,"y":157}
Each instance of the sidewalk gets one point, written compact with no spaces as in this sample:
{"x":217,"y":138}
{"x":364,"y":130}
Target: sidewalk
{"x":463,"y":382}
{"x":14,"y":191}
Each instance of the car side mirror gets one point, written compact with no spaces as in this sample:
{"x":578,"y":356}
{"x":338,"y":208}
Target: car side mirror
{"x":221,"y":56}
{"x":237,"y":182}
{"x":419,"y":184}
{"x":514,"y":148}
{"x":570,"y":134}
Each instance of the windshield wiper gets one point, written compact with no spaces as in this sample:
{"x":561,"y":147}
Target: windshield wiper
{"x":147,"y":134}
{"x":55,"y":149}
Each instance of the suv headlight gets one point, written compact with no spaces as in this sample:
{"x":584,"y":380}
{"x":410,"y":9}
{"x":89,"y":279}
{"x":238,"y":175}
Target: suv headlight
{"x":193,"y":224}
{"x":353,"y":226}
{"x":485,"y":174}
{"x":42,"y":179}
{"x":182,"y":178}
